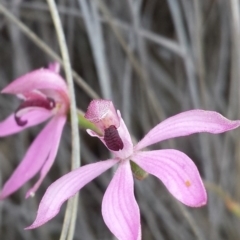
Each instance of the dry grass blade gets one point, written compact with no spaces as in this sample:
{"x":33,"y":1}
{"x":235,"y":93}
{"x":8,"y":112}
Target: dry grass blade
{"x":73,"y":205}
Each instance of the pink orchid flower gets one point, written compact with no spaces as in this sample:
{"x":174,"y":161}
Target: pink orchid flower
{"x":175,"y":169}
{"x":44,"y":95}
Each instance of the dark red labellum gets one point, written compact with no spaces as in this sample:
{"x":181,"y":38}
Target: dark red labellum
{"x":20,"y":122}
{"x":47,"y":103}
{"x":112,"y":139}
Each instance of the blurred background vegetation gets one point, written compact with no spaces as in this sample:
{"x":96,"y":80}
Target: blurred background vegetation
{"x":154,"y":59}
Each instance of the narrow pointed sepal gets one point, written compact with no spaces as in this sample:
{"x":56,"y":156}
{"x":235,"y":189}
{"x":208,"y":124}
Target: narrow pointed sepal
{"x":56,"y":137}
{"x":187,"y":123}
{"x":66,"y":187}
{"x":119,"y":207}
{"x":34,"y":159}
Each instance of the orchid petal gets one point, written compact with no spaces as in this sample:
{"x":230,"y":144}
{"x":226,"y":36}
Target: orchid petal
{"x":33,"y":117}
{"x":119,"y":207}
{"x":54,"y":66}
{"x":61,"y":120}
{"x":126,"y":138}
{"x":66,"y":187}
{"x":187,"y":123}
{"x":33,"y":160}
{"x":177,"y":172}
{"x":38,"y":79}
{"x":102,"y":113}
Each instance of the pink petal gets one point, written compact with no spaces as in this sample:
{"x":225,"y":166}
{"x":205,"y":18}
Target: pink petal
{"x":34,"y":117}
{"x":61,"y":120}
{"x":187,"y":123}
{"x":126,"y":138}
{"x":65,"y":187}
{"x":119,"y":207}
{"x":102,"y":113}
{"x":177,"y":172}
{"x":38,"y":79}
{"x":54,"y":66}
{"x":33,"y":160}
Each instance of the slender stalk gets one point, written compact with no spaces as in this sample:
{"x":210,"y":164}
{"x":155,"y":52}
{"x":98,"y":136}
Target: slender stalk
{"x":72,"y":206}
{"x":73,"y":218}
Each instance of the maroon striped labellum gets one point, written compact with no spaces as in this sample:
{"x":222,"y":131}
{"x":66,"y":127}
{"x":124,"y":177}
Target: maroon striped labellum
{"x":47,"y":103}
{"x":112,"y":139}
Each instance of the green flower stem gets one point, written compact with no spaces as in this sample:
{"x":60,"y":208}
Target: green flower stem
{"x":85,"y":124}
{"x":138,"y":172}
